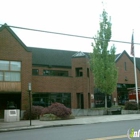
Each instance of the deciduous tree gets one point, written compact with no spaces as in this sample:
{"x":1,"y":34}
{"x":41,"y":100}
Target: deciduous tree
{"x":103,"y":59}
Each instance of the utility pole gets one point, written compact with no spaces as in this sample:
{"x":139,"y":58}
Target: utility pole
{"x":29,"y":89}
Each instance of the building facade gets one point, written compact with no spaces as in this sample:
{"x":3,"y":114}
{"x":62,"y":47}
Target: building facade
{"x":56,"y":75}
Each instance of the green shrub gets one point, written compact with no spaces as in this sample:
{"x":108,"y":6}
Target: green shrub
{"x":131,"y":105}
{"x":51,"y":117}
{"x":35,"y":113}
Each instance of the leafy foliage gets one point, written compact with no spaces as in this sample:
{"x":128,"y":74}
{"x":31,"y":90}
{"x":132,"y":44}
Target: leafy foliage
{"x":57,"y":109}
{"x":102,"y":59}
{"x":131,"y":106}
{"x":45,"y":110}
{"x":35,"y":112}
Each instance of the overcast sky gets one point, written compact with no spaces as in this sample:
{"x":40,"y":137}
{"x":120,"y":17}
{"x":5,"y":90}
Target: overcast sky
{"x":78,"y":17}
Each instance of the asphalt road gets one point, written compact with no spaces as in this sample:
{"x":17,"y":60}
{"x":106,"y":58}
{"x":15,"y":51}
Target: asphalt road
{"x":112,"y":130}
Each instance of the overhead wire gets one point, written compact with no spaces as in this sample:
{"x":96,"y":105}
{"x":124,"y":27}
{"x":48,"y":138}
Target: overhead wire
{"x":65,"y":34}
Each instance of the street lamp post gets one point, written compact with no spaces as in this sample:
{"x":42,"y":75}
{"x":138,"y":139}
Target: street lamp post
{"x":29,"y":89}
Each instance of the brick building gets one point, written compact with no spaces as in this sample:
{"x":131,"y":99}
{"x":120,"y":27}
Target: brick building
{"x":56,"y":75}
{"x":126,"y":77}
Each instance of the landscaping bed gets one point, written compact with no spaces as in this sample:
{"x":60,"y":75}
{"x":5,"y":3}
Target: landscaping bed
{"x":56,"y":111}
{"x":52,"y":117}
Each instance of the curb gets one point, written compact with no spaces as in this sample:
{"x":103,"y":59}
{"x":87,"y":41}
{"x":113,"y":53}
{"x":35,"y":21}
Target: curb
{"x":34,"y":127}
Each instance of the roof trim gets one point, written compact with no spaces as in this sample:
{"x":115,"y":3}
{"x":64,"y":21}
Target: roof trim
{"x":119,"y":57}
{"x":5,"y":26}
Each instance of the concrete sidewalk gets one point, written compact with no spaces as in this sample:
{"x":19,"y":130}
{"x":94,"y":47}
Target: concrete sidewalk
{"x":25,"y":124}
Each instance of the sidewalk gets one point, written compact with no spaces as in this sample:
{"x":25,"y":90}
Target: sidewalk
{"x":25,"y":124}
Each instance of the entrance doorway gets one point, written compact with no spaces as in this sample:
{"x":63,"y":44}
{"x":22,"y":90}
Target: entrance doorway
{"x":5,"y":98}
{"x":80,"y":100}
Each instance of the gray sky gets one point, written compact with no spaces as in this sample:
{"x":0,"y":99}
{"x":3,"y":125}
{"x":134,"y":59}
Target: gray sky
{"x":79,"y":17}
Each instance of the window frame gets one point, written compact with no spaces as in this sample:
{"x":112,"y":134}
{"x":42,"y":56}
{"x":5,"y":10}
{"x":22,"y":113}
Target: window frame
{"x":37,"y":73}
{"x":11,"y":70}
{"x":61,"y":73}
{"x":125,"y":66}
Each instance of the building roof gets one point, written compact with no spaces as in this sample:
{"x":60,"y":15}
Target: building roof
{"x":51,"y":57}
{"x":137,"y":62}
{"x":131,"y":59}
{"x":57,"y":58}
{"x":5,"y":26}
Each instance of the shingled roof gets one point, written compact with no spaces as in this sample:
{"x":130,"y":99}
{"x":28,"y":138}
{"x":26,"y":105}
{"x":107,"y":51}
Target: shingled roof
{"x":62,"y":58}
{"x":51,"y":57}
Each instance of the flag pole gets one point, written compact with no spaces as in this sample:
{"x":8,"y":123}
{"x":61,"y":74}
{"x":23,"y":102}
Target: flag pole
{"x":135,"y":72}
{"x":136,"y":85}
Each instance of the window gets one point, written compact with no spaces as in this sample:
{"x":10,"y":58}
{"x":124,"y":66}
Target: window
{"x":55,"y":73}
{"x":12,"y":76}
{"x":4,"y":65}
{"x":125,"y":68}
{"x":15,"y":66}
{"x":10,"y":70}
{"x":46,"y":99}
{"x":87,"y":72}
{"x":1,"y":76}
{"x":35,"y":72}
{"x":79,"y":72}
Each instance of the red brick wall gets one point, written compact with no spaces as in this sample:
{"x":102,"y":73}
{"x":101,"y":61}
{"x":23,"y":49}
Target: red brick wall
{"x":82,"y":84}
{"x":129,"y":72}
{"x":42,"y":83}
{"x":52,"y":84}
{"x":11,"y":49}
{"x":70,"y":84}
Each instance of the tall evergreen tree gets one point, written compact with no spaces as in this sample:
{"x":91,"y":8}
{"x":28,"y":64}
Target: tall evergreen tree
{"x":103,"y":59}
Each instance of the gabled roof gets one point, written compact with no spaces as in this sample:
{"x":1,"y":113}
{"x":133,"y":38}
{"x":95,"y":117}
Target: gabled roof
{"x":131,"y":59}
{"x":5,"y":26}
{"x":118,"y":56}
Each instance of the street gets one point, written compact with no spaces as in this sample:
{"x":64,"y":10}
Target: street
{"x":112,"y":130}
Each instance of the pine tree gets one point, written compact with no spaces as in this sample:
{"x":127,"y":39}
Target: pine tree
{"x":103,"y":60}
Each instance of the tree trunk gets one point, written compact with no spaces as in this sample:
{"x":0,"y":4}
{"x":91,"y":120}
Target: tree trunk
{"x":106,"y":101}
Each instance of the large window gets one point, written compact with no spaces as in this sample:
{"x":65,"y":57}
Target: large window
{"x":55,"y":73}
{"x":46,"y":99}
{"x":10,"y":70}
